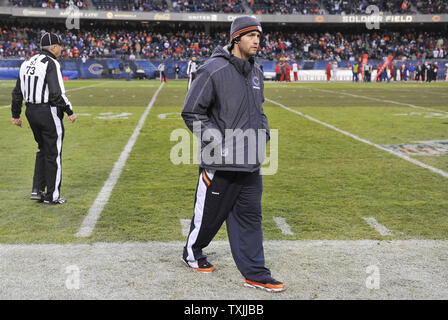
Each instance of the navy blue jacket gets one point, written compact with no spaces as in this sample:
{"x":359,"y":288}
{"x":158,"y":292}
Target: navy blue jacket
{"x":227,"y":94}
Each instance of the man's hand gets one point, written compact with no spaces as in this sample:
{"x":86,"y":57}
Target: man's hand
{"x":72,"y":118}
{"x":17,"y":122}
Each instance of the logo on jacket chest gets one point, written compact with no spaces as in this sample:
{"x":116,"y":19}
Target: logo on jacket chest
{"x":256,"y":82}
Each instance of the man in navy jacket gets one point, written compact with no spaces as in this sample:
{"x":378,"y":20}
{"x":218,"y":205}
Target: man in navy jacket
{"x":224,"y":109}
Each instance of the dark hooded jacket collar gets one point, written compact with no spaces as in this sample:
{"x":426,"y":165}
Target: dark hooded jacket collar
{"x":242,"y":66}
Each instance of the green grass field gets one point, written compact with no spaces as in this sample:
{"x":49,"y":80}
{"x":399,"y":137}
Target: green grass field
{"x":325,"y":185}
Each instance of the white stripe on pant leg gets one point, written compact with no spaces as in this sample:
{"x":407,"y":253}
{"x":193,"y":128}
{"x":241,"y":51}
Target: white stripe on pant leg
{"x":57,"y":123}
{"x":189,"y":83}
{"x":201,"y":193}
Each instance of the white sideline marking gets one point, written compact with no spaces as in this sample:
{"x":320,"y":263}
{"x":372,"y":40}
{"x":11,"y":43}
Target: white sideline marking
{"x":381,"y":100}
{"x":402,"y":156}
{"x":283,"y":226}
{"x":103,"y":197}
{"x":80,"y":88}
{"x":382,"y":230}
{"x":185,"y":224}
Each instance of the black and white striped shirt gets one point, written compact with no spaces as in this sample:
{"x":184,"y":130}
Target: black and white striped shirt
{"x":192,"y":67}
{"x":40,"y":82}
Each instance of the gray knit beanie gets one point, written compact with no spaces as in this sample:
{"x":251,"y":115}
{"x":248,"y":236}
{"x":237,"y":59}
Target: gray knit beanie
{"x":242,"y":25}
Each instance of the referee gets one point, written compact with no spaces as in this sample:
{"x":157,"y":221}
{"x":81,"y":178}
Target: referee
{"x":191,"y":71}
{"x":41,"y":85}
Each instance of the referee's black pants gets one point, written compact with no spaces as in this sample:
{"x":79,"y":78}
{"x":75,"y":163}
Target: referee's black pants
{"x":234,"y":197}
{"x":48,"y":129}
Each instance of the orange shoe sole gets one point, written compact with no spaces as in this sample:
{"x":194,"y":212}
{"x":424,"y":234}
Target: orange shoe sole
{"x":265,"y":286}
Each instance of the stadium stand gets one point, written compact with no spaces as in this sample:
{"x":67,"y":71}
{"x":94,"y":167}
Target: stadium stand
{"x":232,"y":6}
{"x":360,"y":6}
{"x":286,"y":7}
{"x":255,"y":6}
{"x":49,"y":4}
{"x":181,"y":45}
{"x":127,"y":5}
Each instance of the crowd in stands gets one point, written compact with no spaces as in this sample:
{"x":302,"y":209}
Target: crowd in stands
{"x":222,"y":6}
{"x":431,"y":6}
{"x":181,"y":45}
{"x":257,"y":6}
{"x":286,"y":7}
{"x":51,"y":4}
{"x":360,"y":6}
{"x":131,"y":5}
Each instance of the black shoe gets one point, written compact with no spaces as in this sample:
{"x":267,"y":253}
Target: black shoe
{"x":37,"y":195}
{"x":51,"y":203}
{"x":270,"y":286}
{"x":202,"y":266}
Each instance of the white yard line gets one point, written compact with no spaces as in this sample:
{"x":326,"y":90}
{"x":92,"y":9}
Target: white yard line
{"x":103,"y":196}
{"x":89,"y":86}
{"x":402,"y":156}
{"x":283,"y":226}
{"x":382,"y":230}
{"x":379,"y":100}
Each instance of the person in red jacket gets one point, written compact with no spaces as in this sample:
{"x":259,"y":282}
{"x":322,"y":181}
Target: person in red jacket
{"x":328,"y":71}
{"x":288,"y":69}
{"x":278,"y":72}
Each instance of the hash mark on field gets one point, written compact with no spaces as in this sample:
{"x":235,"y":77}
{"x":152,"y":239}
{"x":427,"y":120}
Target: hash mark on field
{"x":185,"y":224}
{"x":283,"y":226}
{"x":103,"y":197}
{"x":398,"y":154}
{"x":382,"y":230}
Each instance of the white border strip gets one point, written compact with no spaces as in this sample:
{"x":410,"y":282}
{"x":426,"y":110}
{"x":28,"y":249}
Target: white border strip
{"x":103,"y":197}
{"x":382,"y":230}
{"x":402,"y":156}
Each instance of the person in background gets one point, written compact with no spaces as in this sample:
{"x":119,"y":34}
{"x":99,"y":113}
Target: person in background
{"x":295,"y":70}
{"x":161,"y":69}
{"x":140,"y":73}
{"x":177,"y":70}
{"x":192,"y":70}
{"x":128,"y":72}
{"x":328,"y":71}
{"x":355,"y":70}
{"x":288,"y":69}
{"x":278,"y":72}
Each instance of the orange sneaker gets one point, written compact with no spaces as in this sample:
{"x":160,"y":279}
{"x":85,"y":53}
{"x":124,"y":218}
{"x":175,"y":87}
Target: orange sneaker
{"x":202,"y":266}
{"x":270,"y":286}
